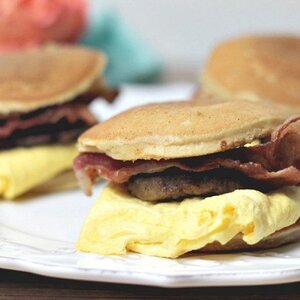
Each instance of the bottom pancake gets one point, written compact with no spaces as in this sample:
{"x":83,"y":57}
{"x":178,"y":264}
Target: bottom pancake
{"x":284,"y":236}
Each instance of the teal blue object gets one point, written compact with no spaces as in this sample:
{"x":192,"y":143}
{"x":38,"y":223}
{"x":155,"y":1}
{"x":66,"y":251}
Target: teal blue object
{"x":130,"y":60}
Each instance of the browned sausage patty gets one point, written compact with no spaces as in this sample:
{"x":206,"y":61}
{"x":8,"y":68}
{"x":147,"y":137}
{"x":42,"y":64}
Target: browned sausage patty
{"x":175,"y":185}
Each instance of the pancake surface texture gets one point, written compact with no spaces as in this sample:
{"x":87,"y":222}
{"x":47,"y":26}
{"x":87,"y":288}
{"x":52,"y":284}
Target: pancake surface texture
{"x":51,"y":75}
{"x":181,"y":129}
{"x":255,"y":68}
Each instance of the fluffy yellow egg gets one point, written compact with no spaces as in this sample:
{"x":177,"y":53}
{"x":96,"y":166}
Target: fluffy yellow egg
{"x":22,"y":169}
{"x":119,"y":222}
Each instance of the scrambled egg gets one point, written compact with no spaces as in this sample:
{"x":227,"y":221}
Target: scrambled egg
{"x":118,"y":222}
{"x":22,"y":169}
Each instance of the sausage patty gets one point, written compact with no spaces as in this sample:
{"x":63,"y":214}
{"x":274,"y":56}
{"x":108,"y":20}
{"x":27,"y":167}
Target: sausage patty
{"x":175,"y":185}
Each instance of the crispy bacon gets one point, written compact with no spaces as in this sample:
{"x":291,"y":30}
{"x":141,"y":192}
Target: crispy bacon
{"x":276,"y":162}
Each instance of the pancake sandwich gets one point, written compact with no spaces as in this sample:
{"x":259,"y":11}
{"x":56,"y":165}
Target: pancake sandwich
{"x":265,"y":67}
{"x":44,"y":97}
{"x":184,"y":177}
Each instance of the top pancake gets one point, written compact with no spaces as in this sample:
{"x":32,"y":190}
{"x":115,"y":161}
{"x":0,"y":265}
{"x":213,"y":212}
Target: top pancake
{"x":51,"y":75}
{"x":256,"y":67}
{"x":181,"y":129}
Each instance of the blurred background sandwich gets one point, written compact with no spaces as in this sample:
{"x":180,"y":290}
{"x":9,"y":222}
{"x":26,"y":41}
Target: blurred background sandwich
{"x":44,"y":98}
{"x":219,"y":177}
{"x":257,"y":68}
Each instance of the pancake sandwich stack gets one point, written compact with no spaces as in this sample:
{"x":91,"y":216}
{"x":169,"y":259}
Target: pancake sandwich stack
{"x":44,"y":98}
{"x":185,"y":177}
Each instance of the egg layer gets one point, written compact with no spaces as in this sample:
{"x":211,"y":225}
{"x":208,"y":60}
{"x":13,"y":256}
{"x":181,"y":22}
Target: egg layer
{"x":118,"y":222}
{"x":22,"y":169}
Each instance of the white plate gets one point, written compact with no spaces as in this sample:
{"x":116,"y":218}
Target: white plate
{"x":38,"y":235}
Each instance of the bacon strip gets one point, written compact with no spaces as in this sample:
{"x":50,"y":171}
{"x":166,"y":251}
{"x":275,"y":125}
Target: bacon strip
{"x":71,"y":112}
{"x":276,"y":162}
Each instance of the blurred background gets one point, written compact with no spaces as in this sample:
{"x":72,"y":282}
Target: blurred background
{"x":182,"y":32}
{"x":145,"y":40}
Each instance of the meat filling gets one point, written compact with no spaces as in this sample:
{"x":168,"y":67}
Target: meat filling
{"x":61,"y":132}
{"x":172,"y":185}
{"x":275,"y":162}
{"x":57,"y":123}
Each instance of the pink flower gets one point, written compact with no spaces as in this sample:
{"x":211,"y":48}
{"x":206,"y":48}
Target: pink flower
{"x":29,"y":23}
